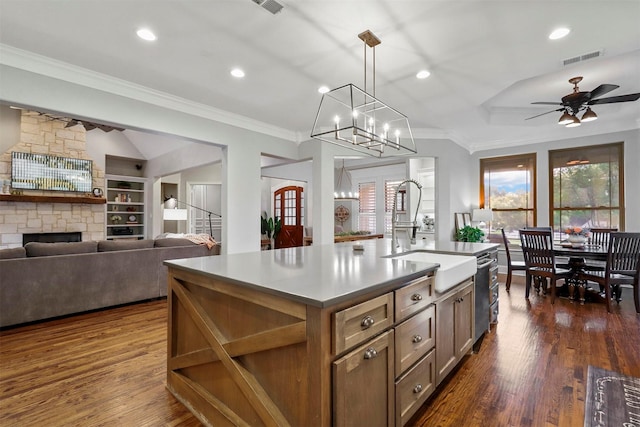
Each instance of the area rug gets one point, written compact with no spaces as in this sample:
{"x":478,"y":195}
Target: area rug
{"x":612,"y":399}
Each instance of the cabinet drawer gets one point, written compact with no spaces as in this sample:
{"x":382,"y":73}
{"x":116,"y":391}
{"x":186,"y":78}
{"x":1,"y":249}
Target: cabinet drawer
{"x":494,"y":293}
{"x":413,"y":389}
{"x":414,"y":297}
{"x":414,"y":338}
{"x":493,"y":275}
{"x":495,"y":310}
{"x":356,"y":324}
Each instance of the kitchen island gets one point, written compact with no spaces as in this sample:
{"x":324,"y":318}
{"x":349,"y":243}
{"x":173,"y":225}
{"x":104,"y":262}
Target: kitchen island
{"x":319,"y":335}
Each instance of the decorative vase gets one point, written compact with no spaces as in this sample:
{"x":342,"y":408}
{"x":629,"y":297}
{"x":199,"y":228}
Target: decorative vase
{"x":577,"y":240}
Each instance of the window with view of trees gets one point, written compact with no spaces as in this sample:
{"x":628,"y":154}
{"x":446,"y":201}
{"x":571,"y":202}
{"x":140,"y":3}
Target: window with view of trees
{"x":508,"y":187}
{"x":587,"y":187}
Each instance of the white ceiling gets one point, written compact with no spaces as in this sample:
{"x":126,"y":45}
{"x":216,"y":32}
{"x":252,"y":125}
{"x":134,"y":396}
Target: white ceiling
{"x":488,"y":59}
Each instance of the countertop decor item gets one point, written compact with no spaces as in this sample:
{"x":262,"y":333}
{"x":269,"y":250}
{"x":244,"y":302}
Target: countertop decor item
{"x":469,"y":234}
{"x":577,"y":236}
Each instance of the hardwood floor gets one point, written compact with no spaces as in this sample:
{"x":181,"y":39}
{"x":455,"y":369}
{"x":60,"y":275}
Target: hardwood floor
{"x":108,"y":368}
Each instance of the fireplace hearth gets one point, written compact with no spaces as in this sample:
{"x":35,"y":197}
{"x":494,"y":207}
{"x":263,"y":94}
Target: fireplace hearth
{"x":75,"y":236}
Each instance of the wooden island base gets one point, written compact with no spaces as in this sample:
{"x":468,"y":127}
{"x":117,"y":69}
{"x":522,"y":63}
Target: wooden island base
{"x":241,"y":357}
{"x":250,"y":355}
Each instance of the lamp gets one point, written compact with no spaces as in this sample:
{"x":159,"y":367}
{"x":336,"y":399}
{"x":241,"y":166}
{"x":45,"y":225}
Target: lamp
{"x":482,"y":215}
{"x":589,"y":115}
{"x":575,"y":122}
{"x":350,"y":117}
{"x":565,"y":119}
{"x":172,"y":213}
{"x":339,"y":194}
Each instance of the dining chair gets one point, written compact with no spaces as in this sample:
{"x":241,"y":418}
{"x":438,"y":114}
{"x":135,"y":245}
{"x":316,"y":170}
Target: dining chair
{"x":599,"y":237}
{"x":622,"y":267}
{"x":511,"y":265}
{"x":537,"y":248}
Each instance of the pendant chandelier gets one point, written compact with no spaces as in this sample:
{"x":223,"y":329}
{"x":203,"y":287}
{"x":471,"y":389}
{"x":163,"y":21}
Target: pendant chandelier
{"x":340,"y":193}
{"x":350,"y":117}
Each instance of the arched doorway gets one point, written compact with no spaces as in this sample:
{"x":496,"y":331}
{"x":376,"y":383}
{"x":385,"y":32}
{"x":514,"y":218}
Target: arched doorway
{"x":288,"y":205}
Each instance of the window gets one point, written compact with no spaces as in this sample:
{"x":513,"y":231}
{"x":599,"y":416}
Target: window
{"x":587,"y":187}
{"x":367,"y":207}
{"x":508,"y":187}
{"x":389,"y":192}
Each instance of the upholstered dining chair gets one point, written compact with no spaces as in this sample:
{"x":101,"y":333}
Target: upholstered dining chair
{"x":622,"y":267}
{"x":511,"y":265}
{"x":537,"y":248}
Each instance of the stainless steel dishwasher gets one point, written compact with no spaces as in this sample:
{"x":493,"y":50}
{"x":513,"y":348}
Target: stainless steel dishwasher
{"x":486,"y":294}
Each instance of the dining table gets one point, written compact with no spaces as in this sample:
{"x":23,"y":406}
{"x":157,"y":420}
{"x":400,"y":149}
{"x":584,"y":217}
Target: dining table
{"x":577,"y":263}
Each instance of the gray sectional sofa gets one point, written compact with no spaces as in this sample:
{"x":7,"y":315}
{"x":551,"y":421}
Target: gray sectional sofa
{"x":46,"y":280}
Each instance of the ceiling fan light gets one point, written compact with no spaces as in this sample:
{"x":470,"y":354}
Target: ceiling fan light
{"x":589,"y":115}
{"x":565,"y":119}
{"x":575,"y":122}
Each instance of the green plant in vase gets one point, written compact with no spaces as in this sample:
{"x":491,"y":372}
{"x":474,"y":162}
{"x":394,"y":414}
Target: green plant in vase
{"x":269,"y":227}
{"x":469,"y":234}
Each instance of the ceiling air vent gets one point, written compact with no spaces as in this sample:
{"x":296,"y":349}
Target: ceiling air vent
{"x":271,"y":5}
{"x":584,"y":57}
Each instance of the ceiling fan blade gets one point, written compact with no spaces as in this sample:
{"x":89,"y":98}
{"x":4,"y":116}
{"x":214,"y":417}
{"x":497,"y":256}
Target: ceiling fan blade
{"x":602,"y":89}
{"x":614,"y":99}
{"x":548,"y":103}
{"x":552,"y":111}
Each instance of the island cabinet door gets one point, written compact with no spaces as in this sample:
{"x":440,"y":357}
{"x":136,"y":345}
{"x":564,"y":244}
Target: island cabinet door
{"x":363,"y":387}
{"x":454,"y":329}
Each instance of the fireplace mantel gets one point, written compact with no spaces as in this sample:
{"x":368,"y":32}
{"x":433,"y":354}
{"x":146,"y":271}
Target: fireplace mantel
{"x":89,"y":200}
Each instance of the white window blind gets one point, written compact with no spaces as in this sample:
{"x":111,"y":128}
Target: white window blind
{"x":367,"y":207}
{"x":389,"y":192}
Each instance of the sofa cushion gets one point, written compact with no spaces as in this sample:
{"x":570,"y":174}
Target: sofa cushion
{"x":124,"y":245}
{"x":47,"y":249}
{"x":172,"y":241}
{"x":13,"y":253}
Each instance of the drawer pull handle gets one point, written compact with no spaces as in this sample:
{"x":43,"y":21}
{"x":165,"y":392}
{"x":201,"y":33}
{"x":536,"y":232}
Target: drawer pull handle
{"x":416,"y":339}
{"x":417,"y":388}
{"x":370,"y":353}
{"x":367,"y":322}
{"x":416,"y":297}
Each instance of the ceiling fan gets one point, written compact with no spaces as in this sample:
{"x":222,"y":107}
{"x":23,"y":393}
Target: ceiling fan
{"x":578,"y":101}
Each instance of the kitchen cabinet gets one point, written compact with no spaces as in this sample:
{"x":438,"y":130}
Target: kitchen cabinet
{"x":249,"y":349}
{"x":454,"y":331}
{"x":364,"y":385}
{"x":125,"y":208}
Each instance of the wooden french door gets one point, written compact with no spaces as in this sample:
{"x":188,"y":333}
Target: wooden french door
{"x":288,"y":206}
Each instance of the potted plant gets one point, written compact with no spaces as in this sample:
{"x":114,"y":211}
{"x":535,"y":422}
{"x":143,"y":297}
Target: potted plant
{"x":269,"y":227}
{"x":469,"y":234}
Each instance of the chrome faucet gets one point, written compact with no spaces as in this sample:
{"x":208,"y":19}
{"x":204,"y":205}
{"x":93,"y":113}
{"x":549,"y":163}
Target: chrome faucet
{"x":410,"y":226}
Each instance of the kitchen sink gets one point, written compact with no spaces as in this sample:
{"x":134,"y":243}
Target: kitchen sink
{"x":453,"y":268}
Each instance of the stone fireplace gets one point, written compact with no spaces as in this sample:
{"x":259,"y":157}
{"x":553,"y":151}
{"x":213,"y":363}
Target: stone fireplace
{"x":42,"y":134}
{"x":51,"y":237}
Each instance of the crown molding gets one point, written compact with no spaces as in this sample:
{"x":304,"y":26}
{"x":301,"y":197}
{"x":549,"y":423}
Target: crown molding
{"x":38,"y":64}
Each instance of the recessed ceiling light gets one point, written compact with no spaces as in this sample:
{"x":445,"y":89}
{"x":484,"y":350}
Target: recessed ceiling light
{"x":237,"y":72}
{"x":146,"y":34}
{"x":423,"y":74}
{"x":323,"y":89}
{"x":559,"y":33}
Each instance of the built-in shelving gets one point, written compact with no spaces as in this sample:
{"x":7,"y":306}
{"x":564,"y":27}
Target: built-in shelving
{"x":125,"y":208}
